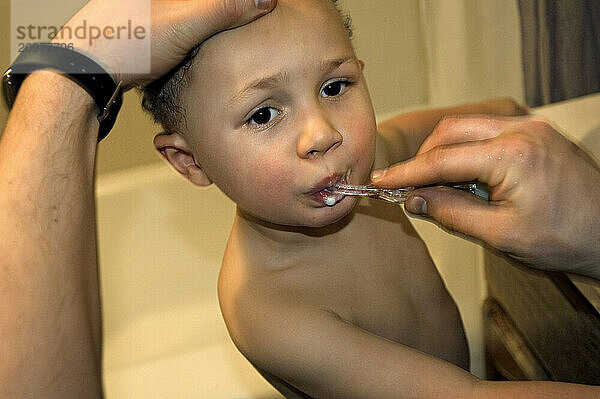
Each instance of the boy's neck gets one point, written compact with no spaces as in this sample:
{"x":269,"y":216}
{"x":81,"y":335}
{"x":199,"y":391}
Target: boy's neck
{"x":286,"y":237}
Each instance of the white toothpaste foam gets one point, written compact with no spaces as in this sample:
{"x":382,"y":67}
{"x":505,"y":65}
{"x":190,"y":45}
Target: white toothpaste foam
{"x":330,"y":201}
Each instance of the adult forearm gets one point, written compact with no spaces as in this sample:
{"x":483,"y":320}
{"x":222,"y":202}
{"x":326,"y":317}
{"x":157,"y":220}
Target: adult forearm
{"x":49,"y":305}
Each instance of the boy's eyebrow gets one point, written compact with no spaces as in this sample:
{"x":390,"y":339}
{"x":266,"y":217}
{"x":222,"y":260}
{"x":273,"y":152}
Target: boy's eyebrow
{"x":260,"y":84}
{"x":275,"y":80}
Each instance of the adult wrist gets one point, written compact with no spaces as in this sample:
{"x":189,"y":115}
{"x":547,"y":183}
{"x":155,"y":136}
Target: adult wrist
{"x":48,"y":93}
{"x":55,"y":113}
{"x":75,"y":65}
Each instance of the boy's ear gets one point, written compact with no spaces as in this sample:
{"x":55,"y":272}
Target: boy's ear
{"x":174,"y":149}
{"x":362,"y":65}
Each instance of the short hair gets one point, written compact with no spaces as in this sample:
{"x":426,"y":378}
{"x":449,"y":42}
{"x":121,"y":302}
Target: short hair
{"x":163,"y":97}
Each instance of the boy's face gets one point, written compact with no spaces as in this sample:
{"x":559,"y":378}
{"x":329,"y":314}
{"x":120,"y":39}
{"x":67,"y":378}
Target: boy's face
{"x":279,"y":110}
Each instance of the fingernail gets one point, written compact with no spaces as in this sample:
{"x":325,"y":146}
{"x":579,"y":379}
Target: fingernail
{"x":417,"y":206}
{"x":263,"y":4}
{"x":378,"y":174}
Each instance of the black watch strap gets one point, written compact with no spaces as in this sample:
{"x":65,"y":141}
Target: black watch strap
{"x":78,"y":67}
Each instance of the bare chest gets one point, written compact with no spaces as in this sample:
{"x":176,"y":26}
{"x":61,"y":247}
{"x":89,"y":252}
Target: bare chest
{"x":378,"y":277}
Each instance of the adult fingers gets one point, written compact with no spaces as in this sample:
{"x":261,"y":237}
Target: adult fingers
{"x":459,"y":129}
{"x":447,"y":163}
{"x":180,"y":26}
{"x":217,"y":15}
{"x":185,"y":24}
{"x":461,"y":212}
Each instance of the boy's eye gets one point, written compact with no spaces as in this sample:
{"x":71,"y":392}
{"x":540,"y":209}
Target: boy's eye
{"x":263,"y":116}
{"x":334,"y":88}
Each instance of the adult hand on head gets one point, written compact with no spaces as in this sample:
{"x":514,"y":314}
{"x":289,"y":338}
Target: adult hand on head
{"x":544,"y":209}
{"x":176,"y":27}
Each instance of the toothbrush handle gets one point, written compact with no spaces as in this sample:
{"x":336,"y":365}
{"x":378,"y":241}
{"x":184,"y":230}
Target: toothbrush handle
{"x":398,"y":196}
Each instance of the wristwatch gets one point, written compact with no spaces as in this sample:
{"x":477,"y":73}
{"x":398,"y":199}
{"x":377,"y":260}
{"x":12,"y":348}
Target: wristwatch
{"x":74,"y":65}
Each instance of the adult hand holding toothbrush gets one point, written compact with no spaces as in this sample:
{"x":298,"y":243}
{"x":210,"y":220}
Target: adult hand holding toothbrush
{"x":544,"y":208}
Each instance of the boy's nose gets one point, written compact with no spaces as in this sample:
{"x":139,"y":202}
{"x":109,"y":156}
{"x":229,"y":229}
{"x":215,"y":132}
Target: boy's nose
{"x":318,"y":137}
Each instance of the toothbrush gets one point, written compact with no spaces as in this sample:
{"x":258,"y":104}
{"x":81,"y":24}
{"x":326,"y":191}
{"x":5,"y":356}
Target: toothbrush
{"x":399,"y":195}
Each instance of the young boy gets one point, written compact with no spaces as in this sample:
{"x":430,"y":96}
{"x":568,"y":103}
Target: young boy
{"x":327,"y":296}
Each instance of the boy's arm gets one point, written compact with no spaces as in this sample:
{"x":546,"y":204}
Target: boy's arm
{"x":405,"y":133}
{"x":324,"y":356}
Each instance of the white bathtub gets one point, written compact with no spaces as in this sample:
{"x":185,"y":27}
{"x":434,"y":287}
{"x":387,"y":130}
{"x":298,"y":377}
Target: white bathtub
{"x":161,"y":242}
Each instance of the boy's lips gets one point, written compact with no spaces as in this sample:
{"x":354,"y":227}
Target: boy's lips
{"x":328,"y":182}
{"x":324,"y":189}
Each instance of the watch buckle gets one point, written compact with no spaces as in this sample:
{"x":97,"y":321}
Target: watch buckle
{"x":111,"y":102}
{"x":8,"y":88}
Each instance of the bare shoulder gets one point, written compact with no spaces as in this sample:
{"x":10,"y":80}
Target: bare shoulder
{"x":276,"y":331}
{"x":252,"y":302}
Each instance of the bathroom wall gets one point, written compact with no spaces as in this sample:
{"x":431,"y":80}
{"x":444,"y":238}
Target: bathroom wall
{"x":473,"y":50}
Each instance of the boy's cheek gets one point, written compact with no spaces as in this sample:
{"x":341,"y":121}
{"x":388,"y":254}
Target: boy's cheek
{"x":364,"y":141}
{"x":266,"y":180}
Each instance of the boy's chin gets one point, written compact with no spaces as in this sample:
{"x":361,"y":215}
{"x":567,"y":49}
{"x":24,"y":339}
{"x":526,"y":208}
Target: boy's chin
{"x":312,"y":218}
{"x":330,"y":215}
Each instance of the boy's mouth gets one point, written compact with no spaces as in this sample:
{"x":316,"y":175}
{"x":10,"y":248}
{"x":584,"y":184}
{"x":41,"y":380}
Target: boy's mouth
{"x":325,"y":191}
